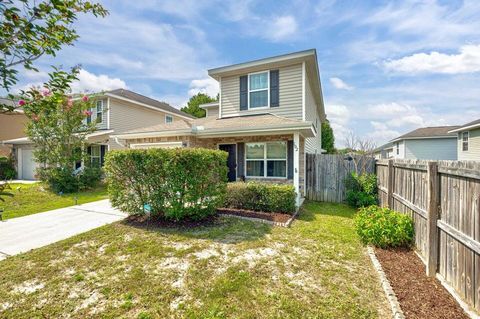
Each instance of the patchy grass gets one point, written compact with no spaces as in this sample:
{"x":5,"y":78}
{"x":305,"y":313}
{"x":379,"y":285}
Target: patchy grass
{"x":232,"y":268}
{"x":36,"y":198}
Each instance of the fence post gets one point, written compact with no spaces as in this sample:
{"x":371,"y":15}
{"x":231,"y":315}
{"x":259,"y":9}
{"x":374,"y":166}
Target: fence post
{"x":391,"y":177}
{"x":432,"y":216}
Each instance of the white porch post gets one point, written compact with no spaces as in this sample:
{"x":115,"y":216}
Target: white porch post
{"x":296,"y":165}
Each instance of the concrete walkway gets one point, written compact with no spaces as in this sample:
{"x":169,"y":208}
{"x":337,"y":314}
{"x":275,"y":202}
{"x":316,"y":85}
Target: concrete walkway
{"x":18,"y":235}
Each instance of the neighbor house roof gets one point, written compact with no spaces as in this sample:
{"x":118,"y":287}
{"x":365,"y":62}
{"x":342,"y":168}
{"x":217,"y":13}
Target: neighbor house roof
{"x":428,"y":132}
{"x":208,"y":126}
{"x":468,"y":126}
{"x":146,"y":101}
{"x":309,"y":57}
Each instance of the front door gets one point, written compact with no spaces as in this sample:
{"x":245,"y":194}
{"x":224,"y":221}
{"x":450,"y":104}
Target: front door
{"x":231,"y":149}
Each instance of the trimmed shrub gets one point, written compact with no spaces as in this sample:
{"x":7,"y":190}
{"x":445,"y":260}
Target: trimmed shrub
{"x":361,"y":190}
{"x":178,"y":184}
{"x":383,"y":227}
{"x":65,"y":181}
{"x":7,"y":169}
{"x":266,"y":197}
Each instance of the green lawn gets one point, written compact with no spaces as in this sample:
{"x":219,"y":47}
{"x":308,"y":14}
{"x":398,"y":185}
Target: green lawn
{"x":36,"y":198}
{"x":231,"y":269}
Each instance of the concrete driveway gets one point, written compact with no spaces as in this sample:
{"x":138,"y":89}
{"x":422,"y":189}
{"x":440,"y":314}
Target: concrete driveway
{"x":22,"y":234}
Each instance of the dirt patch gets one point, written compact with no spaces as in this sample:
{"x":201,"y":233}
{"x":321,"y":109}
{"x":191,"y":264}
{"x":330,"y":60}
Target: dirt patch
{"x":273,"y":217}
{"x":419,"y":296}
{"x":143,"y":221}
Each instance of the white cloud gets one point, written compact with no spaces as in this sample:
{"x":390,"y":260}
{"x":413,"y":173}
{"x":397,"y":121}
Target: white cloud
{"x":339,"y":117}
{"x":381,"y":132}
{"x":466,"y":61}
{"x":207,"y":86}
{"x":340,"y":84}
{"x":89,"y":82}
{"x":282,"y":28}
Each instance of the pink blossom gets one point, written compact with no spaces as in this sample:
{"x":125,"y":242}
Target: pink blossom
{"x":85,"y":98}
{"x":46,"y":92}
{"x":35,"y":117}
{"x":87,"y":112}
{"x":22,"y":102}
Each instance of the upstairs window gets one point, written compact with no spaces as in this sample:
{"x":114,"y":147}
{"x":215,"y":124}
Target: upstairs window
{"x":99,"y":112}
{"x":465,"y":137}
{"x":168,"y":119}
{"x":258,"y":87}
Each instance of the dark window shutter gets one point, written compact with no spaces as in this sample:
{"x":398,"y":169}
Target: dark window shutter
{"x":240,"y":159}
{"x":89,"y":150}
{"x":103,"y":149}
{"x":290,"y":159}
{"x":274,"y":89}
{"x":243,"y":93}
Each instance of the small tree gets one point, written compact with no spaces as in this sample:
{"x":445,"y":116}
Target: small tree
{"x":328,"y":139}
{"x":193,"y":105}
{"x":58,"y":128}
{"x":360,"y":151}
{"x":30,"y":29}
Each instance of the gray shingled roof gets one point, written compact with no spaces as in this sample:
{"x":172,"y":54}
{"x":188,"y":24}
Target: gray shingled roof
{"x":470,"y":124}
{"x":146,"y":100}
{"x":425,"y":132}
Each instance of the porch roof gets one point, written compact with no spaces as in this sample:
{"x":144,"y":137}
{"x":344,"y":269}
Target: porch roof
{"x":238,"y":125}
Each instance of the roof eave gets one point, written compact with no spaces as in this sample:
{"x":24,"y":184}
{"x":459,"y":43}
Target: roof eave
{"x":465,"y":128}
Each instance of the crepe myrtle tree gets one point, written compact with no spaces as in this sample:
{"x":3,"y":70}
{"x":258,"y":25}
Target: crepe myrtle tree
{"x":58,"y":126}
{"x":30,"y":29}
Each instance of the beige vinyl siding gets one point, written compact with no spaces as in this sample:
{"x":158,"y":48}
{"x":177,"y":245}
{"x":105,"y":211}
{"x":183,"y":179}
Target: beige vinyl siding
{"x":125,"y":116}
{"x":313,"y":145}
{"x":290,"y":78}
{"x":212,"y":112}
{"x":473,"y":153}
{"x":11,"y":126}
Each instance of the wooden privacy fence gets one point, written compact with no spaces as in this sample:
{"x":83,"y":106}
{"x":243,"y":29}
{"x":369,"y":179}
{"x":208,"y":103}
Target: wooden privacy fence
{"x":443,"y":198}
{"x":326,"y":174}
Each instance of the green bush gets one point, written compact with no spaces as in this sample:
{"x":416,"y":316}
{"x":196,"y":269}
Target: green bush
{"x":361,"y":190}
{"x":266,"y":197}
{"x":7,"y":169}
{"x":383,"y":227}
{"x":65,"y":181}
{"x":176,"y":184}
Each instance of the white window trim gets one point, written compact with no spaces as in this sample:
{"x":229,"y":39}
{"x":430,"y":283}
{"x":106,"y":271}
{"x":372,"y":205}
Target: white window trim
{"x":96,"y":111}
{"x":95,"y":156}
{"x":258,"y":90}
{"x":265,"y":159}
{"x":168,"y":116}
{"x":468,"y":141}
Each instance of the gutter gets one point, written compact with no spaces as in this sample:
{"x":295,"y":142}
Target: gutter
{"x":465,"y":128}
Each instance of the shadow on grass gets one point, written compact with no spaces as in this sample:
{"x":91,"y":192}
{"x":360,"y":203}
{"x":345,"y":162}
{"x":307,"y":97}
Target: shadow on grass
{"x":311,"y":209}
{"x":229,"y":230}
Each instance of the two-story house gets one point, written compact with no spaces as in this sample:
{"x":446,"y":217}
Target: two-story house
{"x":115,"y":112}
{"x":267,"y":118}
{"x":468,"y":141}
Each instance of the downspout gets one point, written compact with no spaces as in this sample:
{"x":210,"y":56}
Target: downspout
{"x":119,"y":143}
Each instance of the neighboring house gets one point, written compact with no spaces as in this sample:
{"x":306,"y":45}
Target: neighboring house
{"x":468,"y":141}
{"x":268,"y":117}
{"x":384,"y":151}
{"x":426,"y":143}
{"x":12,"y":125}
{"x":117,"y":111}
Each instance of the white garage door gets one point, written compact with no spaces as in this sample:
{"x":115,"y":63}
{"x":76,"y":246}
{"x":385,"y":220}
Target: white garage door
{"x":28,"y":164}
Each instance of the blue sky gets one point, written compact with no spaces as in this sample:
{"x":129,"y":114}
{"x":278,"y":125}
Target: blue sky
{"x":386,"y":66}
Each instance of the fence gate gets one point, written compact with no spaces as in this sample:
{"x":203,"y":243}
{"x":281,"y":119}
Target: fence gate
{"x":326,"y":174}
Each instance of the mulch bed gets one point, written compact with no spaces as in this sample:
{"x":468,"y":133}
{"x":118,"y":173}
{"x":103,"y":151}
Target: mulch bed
{"x":274,"y":217}
{"x":419,"y":296}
